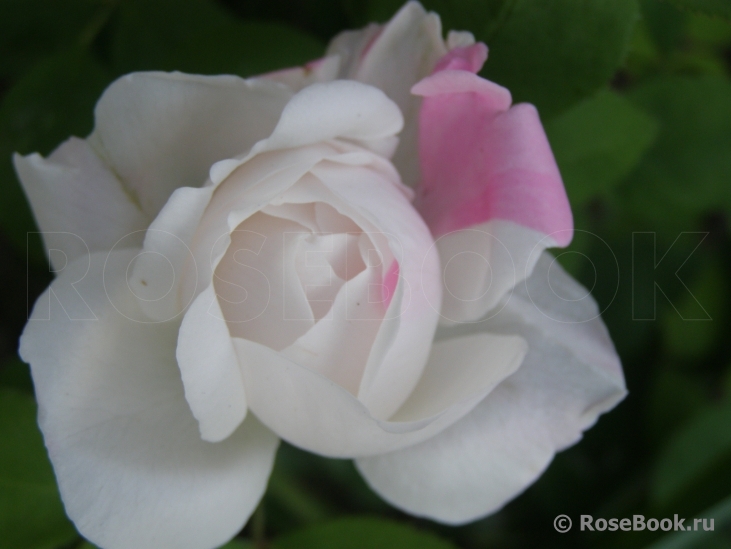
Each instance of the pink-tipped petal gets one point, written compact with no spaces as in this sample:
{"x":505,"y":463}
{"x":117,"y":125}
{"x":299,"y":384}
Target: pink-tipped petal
{"x":485,"y":165}
{"x":482,"y":161}
{"x":468,"y":58}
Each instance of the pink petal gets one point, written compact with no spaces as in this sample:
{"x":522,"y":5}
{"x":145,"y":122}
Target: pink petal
{"x":481,"y":159}
{"x":389,"y":283}
{"x":470,"y":58}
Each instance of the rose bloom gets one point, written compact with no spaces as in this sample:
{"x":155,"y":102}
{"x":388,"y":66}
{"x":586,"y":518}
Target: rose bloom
{"x":348,"y":256}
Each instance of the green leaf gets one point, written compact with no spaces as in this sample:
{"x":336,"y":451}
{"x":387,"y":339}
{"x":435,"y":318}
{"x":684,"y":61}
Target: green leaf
{"x":598,"y":142}
{"x":709,"y":31}
{"x":721,"y":8}
{"x":53,"y":101}
{"x":31,"y":513}
{"x":202,"y":38}
{"x":696,"y":448}
{"x":361,"y":533}
{"x":32,"y":29}
{"x":555,"y":53}
{"x":687,"y":171}
{"x":665,"y":23}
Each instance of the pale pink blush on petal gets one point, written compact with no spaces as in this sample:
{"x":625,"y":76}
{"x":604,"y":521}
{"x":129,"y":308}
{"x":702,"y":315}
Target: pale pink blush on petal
{"x":389,"y":283}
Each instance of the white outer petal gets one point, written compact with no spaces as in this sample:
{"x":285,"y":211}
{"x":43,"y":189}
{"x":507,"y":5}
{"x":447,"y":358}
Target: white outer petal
{"x":132,"y":469}
{"x":343,"y":109}
{"x":570,"y":375}
{"x":160,"y":131}
{"x":405,"y":51}
{"x":459,"y":365}
{"x":482,"y":264}
{"x":313,"y":412}
{"x":78,"y":203}
{"x":459,"y":39}
{"x":350,"y":45}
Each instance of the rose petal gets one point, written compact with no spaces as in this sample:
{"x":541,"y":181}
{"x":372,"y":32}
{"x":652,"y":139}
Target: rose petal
{"x":325,"y":111}
{"x":460,"y":367}
{"x":339,"y":344}
{"x":480,"y":162}
{"x":161,"y":131}
{"x":258,"y":268}
{"x":482,"y":263}
{"x":210,"y":369}
{"x":395,"y":366}
{"x":343,"y":108}
{"x":75,"y":196}
{"x":257,"y":286}
{"x":570,"y":375}
{"x":131,"y":467}
{"x":483,"y":163}
{"x":296,"y":78}
{"x":315,"y":413}
{"x":350,"y":47}
{"x":168,"y":240}
{"x":459,"y":39}
{"x":404,"y":52}
{"x":194,"y":243}
{"x":468,"y":58}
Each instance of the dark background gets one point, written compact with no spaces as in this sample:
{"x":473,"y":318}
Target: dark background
{"x":636,"y":100}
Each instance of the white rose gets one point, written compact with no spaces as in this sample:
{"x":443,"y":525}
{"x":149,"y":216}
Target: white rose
{"x":242,"y":263}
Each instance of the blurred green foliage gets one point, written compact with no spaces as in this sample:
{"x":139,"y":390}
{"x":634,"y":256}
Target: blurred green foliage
{"x":598,"y":142}
{"x":710,"y":7}
{"x":31,"y":514}
{"x":361,"y":533}
{"x":635,"y":96}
